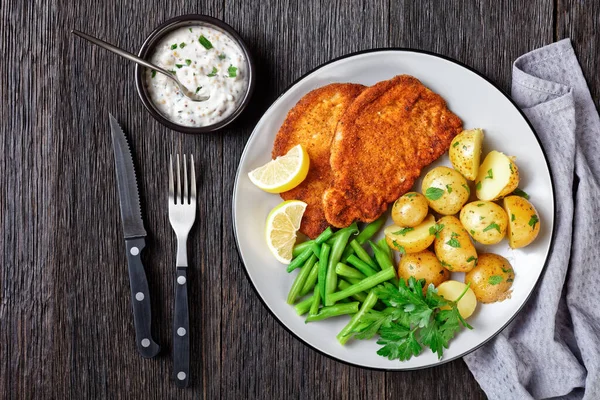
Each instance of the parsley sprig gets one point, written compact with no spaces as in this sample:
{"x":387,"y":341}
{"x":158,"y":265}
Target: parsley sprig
{"x":411,"y":321}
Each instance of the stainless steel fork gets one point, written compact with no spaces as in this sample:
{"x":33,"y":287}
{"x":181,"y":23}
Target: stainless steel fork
{"x":182,"y":213}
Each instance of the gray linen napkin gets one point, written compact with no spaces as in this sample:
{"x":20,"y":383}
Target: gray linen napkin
{"x":552,"y":348}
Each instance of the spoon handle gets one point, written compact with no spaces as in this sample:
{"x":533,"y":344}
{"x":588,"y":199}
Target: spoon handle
{"x":120,"y":52}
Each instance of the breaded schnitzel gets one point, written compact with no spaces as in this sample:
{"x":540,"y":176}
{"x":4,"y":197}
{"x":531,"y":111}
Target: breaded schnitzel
{"x":312,"y":123}
{"x":388,"y":134}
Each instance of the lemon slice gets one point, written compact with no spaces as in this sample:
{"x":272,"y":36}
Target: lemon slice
{"x":282,"y":224}
{"x":283,"y":173}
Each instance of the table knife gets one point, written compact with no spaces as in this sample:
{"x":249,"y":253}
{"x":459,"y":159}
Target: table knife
{"x":134,"y":232}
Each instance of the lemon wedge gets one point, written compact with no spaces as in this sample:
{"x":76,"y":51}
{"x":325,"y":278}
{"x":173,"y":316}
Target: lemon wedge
{"x":282,"y":224}
{"x":283,"y":173}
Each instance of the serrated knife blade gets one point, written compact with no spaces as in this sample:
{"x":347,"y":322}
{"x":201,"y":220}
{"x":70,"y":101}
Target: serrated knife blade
{"x":134,"y":232}
{"x":129,"y":197}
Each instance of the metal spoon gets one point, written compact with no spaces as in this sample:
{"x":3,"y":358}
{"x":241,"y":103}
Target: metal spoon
{"x":187,"y":93}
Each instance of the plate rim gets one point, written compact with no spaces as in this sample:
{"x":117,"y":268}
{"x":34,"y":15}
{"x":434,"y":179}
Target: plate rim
{"x":400,"y":50}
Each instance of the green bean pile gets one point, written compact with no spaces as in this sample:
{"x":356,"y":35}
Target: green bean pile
{"x":338,"y":273}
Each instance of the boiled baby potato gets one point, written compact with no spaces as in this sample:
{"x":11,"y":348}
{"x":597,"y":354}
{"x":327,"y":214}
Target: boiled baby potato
{"x":410,"y":209}
{"x":411,"y":240}
{"x":491,"y":279}
{"x":485,"y":221}
{"x":423,"y":265}
{"x":523,"y":221}
{"x":446,"y":190}
{"x":498,"y":176}
{"x":451,"y":290}
{"x":465,"y":152}
{"x":453,"y":246}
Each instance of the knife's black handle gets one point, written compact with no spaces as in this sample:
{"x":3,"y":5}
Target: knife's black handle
{"x":140,"y":298}
{"x":181,"y":330}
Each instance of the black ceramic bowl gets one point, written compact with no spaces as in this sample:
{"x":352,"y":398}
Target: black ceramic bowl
{"x":148,"y":48}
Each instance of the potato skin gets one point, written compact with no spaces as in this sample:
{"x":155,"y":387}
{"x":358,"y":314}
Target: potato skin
{"x":491,"y":279}
{"x":485,"y":221}
{"x":465,"y":152}
{"x":446,"y":190}
{"x":423,"y":265}
{"x":453,"y":246}
{"x":410,"y":209}
{"x":523,"y":221}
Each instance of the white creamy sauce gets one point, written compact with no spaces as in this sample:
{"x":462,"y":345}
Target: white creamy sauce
{"x":220,"y":71}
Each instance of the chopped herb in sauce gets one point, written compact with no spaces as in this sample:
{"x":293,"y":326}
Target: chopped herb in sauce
{"x":205,"y":42}
{"x":222,"y":56}
{"x":232,"y":71}
{"x":178,"y":65}
{"x":153,"y":73}
{"x":188,"y":62}
{"x":198,"y":89}
{"x":213,"y":72}
{"x":181,"y":45}
{"x":173,"y":46}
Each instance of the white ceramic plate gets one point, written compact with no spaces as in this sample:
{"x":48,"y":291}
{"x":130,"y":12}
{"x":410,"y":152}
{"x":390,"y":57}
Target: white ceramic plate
{"x":479,"y":104}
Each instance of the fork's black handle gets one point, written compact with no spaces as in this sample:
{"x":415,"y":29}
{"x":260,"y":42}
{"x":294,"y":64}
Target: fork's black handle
{"x":140,"y":298}
{"x":181,"y":330}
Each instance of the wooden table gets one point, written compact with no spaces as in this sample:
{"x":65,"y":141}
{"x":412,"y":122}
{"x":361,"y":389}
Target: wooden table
{"x":66,"y":327}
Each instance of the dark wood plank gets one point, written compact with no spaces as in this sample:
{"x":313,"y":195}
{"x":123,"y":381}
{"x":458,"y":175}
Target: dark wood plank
{"x":488,"y":36}
{"x":95,"y":355}
{"x":580,"y":21}
{"x":288,"y":39}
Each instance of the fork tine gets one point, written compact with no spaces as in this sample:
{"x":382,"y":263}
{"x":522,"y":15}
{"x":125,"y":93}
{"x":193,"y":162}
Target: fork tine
{"x":178,"y":195}
{"x":193,"y":179}
{"x":186,"y":199}
{"x":171,"y":184}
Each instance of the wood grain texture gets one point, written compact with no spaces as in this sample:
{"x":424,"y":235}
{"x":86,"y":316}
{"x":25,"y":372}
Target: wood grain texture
{"x":66,"y":329}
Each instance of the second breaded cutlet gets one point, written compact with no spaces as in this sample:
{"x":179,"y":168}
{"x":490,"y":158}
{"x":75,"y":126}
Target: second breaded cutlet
{"x":312,"y":123}
{"x":388,"y":134}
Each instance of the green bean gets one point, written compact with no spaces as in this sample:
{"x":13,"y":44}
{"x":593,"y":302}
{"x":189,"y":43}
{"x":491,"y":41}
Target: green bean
{"x":336,"y":253}
{"x":334,"y":311}
{"x":323,"y":269}
{"x":383,"y":245}
{"x":303,"y":307}
{"x":301,"y":279}
{"x":324,"y":236}
{"x":361,"y":265}
{"x":301,"y":259}
{"x":311,"y":280}
{"x":361,"y":296}
{"x":314,"y":307}
{"x":381,"y":256}
{"x":300,"y":247}
{"x":353,"y":281}
{"x":371,"y":229}
{"x":361,"y":253}
{"x":353,"y":228}
{"x":344,"y":270}
{"x":366,"y":284}
{"x":344,"y":334}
